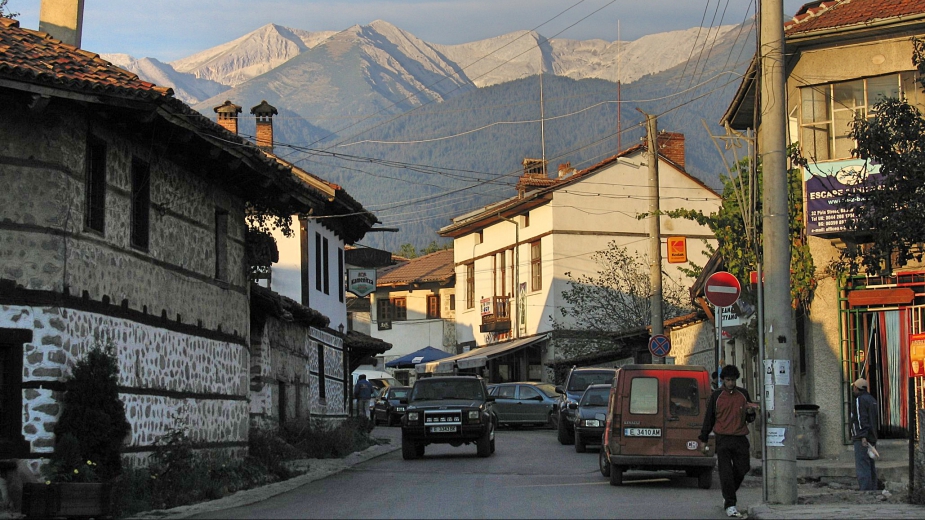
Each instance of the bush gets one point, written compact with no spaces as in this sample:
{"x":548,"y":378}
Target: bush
{"x":320,"y":439}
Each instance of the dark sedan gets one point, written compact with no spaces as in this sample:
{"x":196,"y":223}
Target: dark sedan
{"x":525,"y":403}
{"x":387,"y":407}
{"x":591,"y":412}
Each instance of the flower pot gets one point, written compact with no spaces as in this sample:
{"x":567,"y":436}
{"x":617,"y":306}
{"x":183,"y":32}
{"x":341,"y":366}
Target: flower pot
{"x":70,"y":499}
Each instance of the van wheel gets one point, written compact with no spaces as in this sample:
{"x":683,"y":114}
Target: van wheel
{"x":616,"y":475}
{"x":602,"y":463}
{"x":579,"y":446}
{"x":565,"y":437}
{"x":410,"y":450}
{"x":705,"y":479}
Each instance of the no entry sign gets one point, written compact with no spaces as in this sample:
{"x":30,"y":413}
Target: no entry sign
{"x":723,"y":289}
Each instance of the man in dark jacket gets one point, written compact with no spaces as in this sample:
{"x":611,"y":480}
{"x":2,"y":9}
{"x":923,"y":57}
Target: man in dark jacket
{"x":728,"y":412}
{"x":363,"y":392}
{"x":864,"y":421}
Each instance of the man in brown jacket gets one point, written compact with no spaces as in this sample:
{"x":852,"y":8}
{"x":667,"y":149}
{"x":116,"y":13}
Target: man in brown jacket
{"x":728,"y":412}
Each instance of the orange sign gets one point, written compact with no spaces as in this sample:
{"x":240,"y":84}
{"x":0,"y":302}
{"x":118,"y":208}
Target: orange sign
{"x":917,"y":355}
{"x":677,"y":250}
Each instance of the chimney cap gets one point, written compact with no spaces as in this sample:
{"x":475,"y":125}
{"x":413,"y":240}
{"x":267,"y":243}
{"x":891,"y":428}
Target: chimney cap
{"x":228,"y":108}
{"x":264,"y":109}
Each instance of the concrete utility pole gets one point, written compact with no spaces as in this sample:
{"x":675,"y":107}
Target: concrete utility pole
{"x":655,"y":232}
{"x":778,"y":405}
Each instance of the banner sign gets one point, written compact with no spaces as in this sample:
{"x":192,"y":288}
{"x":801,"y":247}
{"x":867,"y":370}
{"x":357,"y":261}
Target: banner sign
{"x":361,"y":282}
{"x":917,"y":355}
{"x":831,"y":192}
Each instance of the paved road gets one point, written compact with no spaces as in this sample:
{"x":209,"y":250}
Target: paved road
{"x":531,"y":475}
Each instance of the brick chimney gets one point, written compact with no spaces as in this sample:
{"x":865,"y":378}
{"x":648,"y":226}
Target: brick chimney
{"x":264,"y":113}
{"x":671,"y":147}
{"x":62,"y":20}
{"x":228,"y":116}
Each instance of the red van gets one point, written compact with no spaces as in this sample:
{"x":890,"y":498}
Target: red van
{"x":653,"y":419}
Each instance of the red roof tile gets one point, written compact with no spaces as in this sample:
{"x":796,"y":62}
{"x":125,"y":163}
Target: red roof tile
{"x":819,"y":15}
{"x":435,"y":267}
{"x":35,"y":57}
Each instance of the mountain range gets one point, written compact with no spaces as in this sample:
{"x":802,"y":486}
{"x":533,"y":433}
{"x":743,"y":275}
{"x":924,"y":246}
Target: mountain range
{"x":422,"y":132}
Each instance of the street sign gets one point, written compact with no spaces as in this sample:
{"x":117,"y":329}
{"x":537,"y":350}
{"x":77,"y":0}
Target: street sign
{"x":659,"y":345}
{"x":677,"y":250}
{"x":723,"y":289}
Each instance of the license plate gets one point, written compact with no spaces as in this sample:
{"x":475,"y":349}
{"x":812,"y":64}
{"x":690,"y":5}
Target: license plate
{"x":400,"y":409}
{"x":642,"y":432}
{"x":442,"y":429}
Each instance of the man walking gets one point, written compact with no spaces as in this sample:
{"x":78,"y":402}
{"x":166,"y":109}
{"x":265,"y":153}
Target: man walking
{"x":864,"y":421}
{"x":728,"y":412}
{"x":363,"y":391}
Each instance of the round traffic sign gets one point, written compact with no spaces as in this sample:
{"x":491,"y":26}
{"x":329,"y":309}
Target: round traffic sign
{"x":659,"y":345}
{"x":722,"y":289}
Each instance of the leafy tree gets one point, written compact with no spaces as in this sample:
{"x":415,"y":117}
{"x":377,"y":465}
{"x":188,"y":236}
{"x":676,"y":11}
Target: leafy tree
{"x":888,"y":215}
{"x":5,"y":11}
{"x":407,"y":251}
{"x":615,"y":299}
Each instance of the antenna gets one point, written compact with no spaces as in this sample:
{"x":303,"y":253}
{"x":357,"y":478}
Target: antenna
{"x":542,"y":115}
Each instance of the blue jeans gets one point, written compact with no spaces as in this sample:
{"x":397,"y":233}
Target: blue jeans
{"x":865,"y":467}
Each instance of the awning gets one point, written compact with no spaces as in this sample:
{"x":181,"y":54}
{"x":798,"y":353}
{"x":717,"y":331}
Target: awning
{"x":425,"y":355}
{"x":477,"y":357}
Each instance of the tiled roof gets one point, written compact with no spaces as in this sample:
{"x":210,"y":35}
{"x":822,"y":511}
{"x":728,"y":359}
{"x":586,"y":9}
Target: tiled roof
{"x":819,"y":15}
{"x":435,"y":267}
{"x":35,"y":57}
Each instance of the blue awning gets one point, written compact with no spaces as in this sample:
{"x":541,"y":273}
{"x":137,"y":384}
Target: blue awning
{"x":425,"y":355}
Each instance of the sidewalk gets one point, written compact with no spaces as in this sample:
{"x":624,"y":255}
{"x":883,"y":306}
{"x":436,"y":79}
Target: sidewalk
{"x":841,"y":511}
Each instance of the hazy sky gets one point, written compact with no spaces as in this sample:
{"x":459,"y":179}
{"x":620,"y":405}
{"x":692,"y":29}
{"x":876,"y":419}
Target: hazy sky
{"x":172,"y":29}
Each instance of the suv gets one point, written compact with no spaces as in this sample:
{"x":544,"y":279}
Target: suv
{"x":451,"y":410}
{"x":578,"y":380}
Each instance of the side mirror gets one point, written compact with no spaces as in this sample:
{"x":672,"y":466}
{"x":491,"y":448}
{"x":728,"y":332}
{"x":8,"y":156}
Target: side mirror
{"x":573,"y":406}
{"x":559,"y":390}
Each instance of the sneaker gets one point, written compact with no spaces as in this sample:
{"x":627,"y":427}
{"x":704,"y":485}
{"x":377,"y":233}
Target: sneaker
{"x":732,"y":512}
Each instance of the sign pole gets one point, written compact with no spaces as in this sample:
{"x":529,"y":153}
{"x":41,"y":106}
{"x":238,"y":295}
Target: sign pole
{"x":718,"y":318}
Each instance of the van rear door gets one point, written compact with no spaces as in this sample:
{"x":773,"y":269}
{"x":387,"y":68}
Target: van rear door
{"x":643,"y":427}
{"x":684,"y":413}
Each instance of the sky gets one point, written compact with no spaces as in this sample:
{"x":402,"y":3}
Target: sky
{"x":173,"y":29}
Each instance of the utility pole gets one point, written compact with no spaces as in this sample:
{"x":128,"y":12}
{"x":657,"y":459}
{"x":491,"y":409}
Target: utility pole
{"x":655,"y":241}
{"x":778,"y":406}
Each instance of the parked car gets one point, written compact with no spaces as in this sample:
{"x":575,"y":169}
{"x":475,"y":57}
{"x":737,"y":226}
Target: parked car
{"x":591,"y":415}
{"x":525,"y":403}
{"x":451,"y":410}
{"x":653,"y":420}
{"x":387,"y":407}
{"x":577,"y":381}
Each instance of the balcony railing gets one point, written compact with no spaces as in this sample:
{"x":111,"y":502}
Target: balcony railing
{"x":496,"y":314}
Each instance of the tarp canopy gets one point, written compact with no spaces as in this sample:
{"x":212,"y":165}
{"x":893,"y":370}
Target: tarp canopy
{"x":425,"y":355}
{"x":477,"y":357}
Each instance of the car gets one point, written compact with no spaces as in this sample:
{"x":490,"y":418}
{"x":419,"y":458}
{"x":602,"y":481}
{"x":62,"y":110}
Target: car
{"x":653,"y":422}
{"x":525,"y":402}
{"x":387,"y":407}
{"x":591,"y":413}
{"x":577,"y":381}
{"x":452,"y":410}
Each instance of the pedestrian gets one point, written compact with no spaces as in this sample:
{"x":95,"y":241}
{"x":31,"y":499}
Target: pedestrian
{"x":363,"y":392}
{"x":728,"y":413}
{"x":864,"y":421}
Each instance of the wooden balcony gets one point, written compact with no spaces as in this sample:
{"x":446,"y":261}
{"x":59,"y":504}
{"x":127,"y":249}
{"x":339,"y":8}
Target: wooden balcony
{"x":496,"y":314}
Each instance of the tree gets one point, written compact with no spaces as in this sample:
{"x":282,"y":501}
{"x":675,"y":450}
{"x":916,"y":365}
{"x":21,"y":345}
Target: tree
{"x":5,"y":11}
{"x":616,"y":299}
{"x":407,"y":251}
{"x":888,"y":214}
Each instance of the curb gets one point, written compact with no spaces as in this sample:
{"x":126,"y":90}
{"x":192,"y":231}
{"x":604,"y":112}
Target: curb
{"x":318,"y":469}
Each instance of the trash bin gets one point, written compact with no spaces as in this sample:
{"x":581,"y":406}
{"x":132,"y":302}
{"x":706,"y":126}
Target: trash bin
{"x":807,"y":431}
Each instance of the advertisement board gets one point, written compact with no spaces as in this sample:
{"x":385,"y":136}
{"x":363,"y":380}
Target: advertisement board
{"x":917,"y":355}
{"x":361,"y":282}
{"x":831,"y":190}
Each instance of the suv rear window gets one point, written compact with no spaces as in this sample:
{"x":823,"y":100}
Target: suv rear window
{"x":683,"y":396}
{"x":435,"y":390}
{"x":644,"y":396}
{"x":582,"y":380}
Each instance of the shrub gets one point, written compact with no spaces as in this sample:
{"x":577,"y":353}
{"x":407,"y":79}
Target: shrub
{"x":320,"y":439}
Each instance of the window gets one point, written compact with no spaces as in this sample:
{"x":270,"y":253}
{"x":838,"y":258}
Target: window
{"x":433,"y":306}
{"x":525,"y":219}
{"x":527,"y":392}
{"x":384,"y":313}
{"x":340,"y":275}
{"x":327,"y":268}
{"x":644,"y":396}
{"x":506,"y":392}
{"x":683,"y":396}
{"x":536,"y":266}
{"x":452,"y":302}
{"x":12,"y":443}
{"x":827,"y":112}
{"x":479,"y":237}
{"x":141,"y":204}
{"x":399,"y":309}
{"x":470,"y":285}
{"x":503,"y":274}
{"x":321,"y":383}
{"x":221,"y":245}
{"x":319,"y":260}
{"x":95,"y":217}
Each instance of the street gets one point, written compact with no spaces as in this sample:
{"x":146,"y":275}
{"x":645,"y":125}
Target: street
{"x":531,"y":475}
